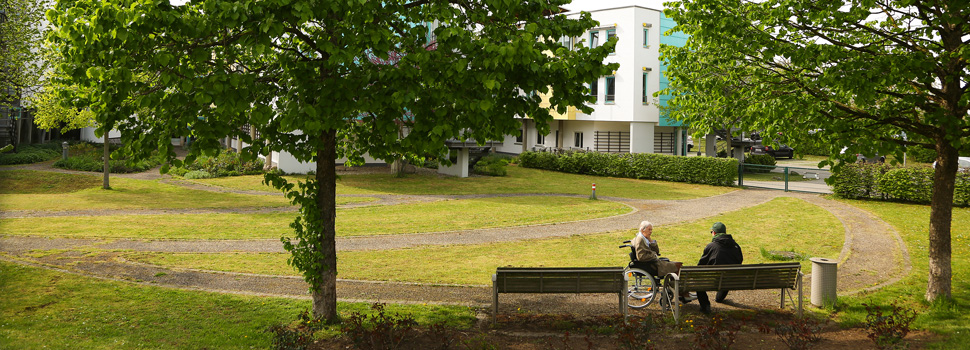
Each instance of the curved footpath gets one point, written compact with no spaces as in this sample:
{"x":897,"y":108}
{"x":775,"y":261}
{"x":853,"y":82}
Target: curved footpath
{"x":870,"y":245}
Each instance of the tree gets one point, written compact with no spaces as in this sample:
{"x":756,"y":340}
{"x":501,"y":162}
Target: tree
{"x":856,"y":73}
{"x":321,"y":80}
{"x":20,"y":37}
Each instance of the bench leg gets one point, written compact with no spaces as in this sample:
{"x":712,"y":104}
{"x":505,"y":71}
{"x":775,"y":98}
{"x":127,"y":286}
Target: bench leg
{"x":675,"y":302}
{"x":783,"y":298}
{"x":623,"y":308}
{"x":800,"y":294}
{"x":494,"y":302}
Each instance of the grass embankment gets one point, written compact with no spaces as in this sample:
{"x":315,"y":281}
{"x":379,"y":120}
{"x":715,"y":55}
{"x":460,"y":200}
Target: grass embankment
{"x":952,"y":318}
{"x":777,"y":225}
{"x":40,"y":190}
{"x":42,"y":309}
{"x":519,"y":180}
{"x":447,"y":215}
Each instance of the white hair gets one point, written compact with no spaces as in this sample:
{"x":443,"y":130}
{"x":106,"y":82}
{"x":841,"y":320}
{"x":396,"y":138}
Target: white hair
{"x":644,"y":224}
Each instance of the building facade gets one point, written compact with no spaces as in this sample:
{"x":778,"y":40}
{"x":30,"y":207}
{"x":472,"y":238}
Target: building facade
{"x":626,"y":117}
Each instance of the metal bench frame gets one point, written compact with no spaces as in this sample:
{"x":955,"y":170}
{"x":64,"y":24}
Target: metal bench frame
{"x":560,"y":280}
{"x":784,"y":276}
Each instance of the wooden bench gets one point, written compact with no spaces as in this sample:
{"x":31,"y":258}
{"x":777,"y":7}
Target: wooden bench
{"x":784,"y":276}
{"x":560,"y":280}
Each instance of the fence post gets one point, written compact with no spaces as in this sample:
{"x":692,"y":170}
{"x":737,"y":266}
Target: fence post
{"x":786,"y":179}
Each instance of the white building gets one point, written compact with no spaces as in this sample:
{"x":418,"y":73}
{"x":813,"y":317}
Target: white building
{"x":626,"y":117}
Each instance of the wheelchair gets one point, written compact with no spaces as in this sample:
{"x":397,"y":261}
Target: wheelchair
{"x":644,"y":286}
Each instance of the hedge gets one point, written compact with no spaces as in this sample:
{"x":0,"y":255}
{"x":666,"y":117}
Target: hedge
{"x":224,"y":164}
{"x":27,"y":154}
{"x":768,"y":161}
{"x":883,"y":182}
{"x":647,"y":166}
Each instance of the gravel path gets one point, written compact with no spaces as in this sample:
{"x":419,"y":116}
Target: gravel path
{"x":870,"y":246}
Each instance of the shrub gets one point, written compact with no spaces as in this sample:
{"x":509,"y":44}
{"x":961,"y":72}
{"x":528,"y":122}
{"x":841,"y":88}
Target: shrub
{"x":883,"y":182}
{"x":197,"y":174}
{"x":94,"y":163}
{"x":716,"y":336}
{"x":888,"y":329}
{"x":491,"y":166}
{"x":31,"y":154}
{"x":763,"y":163}
{"x":379,"y":331}
{"x":223,"y":164}
{"x":702,"y":170}
{"x":799,"y":334}
{"x":922,"y":155}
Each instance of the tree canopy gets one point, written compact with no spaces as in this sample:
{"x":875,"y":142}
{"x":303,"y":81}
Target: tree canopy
{"x":320,"y":80}
{"x":21,"y":34}
{"x":860,"y":74}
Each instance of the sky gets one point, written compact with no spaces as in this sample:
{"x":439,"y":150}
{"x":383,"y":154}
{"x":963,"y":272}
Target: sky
{"x":587,"y":5}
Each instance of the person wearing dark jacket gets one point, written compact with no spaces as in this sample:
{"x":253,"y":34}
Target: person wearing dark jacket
{"x":722,"y":250}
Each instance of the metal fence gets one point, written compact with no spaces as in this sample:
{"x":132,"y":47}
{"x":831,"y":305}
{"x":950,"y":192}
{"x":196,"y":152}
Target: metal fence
{"x":785,"y":178}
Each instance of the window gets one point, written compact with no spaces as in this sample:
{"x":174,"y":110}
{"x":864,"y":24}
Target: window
{"x":610,"y":34}
{"x":566,"y":42}
{"x":432,"y":38}
{"x":540,"y":138}
{"x":594,"y":90}
{"x":578,"y":140}
{"x":645,"y":95}
{"x":646,"y":37}
{"x":594,"y":39}
{"x":610,"y":89}
{"x":518,"y":138}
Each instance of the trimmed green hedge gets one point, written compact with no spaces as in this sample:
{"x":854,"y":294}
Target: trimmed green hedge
{"x":27,"y":154}
{"x":883,"y":182}
{"x":767,"y":160}
{"x":700,"y":170}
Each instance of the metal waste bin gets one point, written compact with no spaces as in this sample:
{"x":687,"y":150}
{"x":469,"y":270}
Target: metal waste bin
{"x":824,"y":279}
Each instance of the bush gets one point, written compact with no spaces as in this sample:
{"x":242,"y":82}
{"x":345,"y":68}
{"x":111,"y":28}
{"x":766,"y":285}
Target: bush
{"x":197,"y":174}
{"x":763,"y":163}
{"x":883,"y":182}
{"x":223,"y":164}
{"x":701,"y":170}
{"x":887,"y":327}
{"x":31,"y":154}
{"x":491,"y":166}
{"x":920,"y":154}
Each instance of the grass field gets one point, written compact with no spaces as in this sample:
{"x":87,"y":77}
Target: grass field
{"x":445,"y":215}
{"x":951,"y":319}
{"x":42,"y":309}
{"x":519,"y":180}
{"x":37,"y":190}
{"x":753,"y":228}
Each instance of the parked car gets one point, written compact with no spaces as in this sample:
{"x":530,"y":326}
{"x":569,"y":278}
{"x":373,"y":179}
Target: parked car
{"x":781,"y":151}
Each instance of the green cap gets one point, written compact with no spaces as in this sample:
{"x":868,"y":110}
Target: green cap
{"x":719,"y":228}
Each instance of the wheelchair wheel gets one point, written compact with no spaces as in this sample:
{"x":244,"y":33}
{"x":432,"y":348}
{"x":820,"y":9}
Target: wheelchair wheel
{"x":642,"y":288}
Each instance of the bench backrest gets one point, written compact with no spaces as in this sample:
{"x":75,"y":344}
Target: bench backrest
{"x":739,"y":277}
{"x":559,"y":280}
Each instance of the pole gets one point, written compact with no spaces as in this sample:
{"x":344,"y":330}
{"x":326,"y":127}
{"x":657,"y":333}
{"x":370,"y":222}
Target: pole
{"x":107,"y":166}
{"x":593,"y":196}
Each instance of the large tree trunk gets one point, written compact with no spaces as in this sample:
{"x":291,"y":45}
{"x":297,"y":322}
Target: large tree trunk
{"x":941,"y":213}
{"x":325,"y":295}
{"x":107,"y":166}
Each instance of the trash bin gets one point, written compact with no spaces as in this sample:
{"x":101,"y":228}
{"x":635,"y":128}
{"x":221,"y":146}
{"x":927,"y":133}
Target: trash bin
{"x":824,"y":278}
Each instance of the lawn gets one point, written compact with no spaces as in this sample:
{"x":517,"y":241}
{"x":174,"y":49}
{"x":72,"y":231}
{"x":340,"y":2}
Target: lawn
{"x":519,"y":180}
{"x":781,"y":228}
{"x":42,"y":309}
{"x":444,"y":215}
{"x":951,"y":319}
{"x":40,"y":190}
